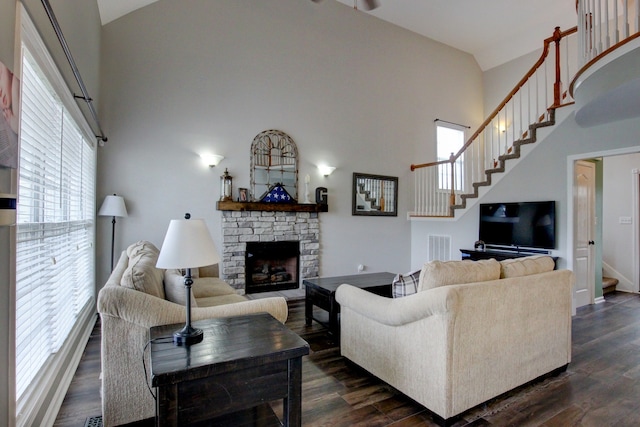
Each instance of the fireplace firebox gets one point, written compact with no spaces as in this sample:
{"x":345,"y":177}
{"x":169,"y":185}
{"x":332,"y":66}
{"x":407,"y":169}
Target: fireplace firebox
{"x":272,"y":266}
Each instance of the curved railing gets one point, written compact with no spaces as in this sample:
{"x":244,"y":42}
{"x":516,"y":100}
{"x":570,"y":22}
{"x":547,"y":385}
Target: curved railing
{"x":442,"y":186}
{"x":605,"y":24}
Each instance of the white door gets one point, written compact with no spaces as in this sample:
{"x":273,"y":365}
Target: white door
{"x":584,"y":220}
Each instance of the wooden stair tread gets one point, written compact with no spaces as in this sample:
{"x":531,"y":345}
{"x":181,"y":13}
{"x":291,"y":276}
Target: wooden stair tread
{"x":609,"y":284}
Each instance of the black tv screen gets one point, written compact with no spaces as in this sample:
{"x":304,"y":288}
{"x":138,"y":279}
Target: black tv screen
{"x":523,"y":224}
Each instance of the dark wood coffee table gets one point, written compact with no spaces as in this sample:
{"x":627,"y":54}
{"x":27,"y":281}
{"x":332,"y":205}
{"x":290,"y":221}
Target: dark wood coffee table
{"x":242,"y":363}
{"x":321,"y":292}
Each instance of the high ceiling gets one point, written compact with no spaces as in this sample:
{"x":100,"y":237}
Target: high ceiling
{"x":493,"y":31}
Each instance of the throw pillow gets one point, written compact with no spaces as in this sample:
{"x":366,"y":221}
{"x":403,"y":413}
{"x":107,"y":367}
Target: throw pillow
{"x":442,"y":273}
{"x":518,"y":267}
{"x":141,"y":245}
{"x":174,"y":288}
{"x":406,"y":284}
{"x":141,"y":273}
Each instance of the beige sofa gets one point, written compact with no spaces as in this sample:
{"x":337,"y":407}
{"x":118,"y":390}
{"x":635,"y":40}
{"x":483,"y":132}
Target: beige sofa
{"x":454,"y":346}
{"x":138,"y":296}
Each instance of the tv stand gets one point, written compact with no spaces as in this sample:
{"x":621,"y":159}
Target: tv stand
{"x":498,"y":254}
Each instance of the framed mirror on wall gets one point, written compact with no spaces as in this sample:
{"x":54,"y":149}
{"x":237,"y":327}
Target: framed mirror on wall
{"x":374,"y":195}
{"x":274,"y":160}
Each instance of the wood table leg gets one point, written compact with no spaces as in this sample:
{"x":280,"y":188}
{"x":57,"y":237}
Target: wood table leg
{"x":308,"y":307}
{"x":167,"y":406}
{"x":292,"y":404}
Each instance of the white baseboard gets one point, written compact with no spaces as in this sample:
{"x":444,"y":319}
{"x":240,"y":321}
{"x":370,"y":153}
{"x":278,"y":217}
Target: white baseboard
{"x":598,"y":300}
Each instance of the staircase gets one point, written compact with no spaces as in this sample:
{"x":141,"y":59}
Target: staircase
{"x":442,"y":188}
{"x":528,"y":137}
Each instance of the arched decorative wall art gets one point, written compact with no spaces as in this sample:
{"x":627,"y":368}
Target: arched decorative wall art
{"x":274,"y":160}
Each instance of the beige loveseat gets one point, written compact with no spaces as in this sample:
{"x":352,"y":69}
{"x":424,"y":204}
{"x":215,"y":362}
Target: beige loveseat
{"x":136,"y":297}
{"x":454,"y":346}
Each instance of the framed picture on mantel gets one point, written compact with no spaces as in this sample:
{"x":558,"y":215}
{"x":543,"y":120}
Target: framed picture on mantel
{"x":374,"y":195}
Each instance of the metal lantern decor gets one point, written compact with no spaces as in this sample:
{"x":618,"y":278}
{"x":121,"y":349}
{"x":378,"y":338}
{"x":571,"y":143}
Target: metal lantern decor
{"x":226,"y":184}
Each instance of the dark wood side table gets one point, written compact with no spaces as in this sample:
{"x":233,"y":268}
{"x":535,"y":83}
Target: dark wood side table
{"x":242,"y":363}
{"x":321,"y":292}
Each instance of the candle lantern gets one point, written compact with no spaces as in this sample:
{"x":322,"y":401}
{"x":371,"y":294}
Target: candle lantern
{"x":226,"y":183}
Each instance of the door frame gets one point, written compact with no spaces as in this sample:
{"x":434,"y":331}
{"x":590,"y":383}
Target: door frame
{"x":571,"y":160}
{"x":635,"y":197}
{"x":594,"y":223}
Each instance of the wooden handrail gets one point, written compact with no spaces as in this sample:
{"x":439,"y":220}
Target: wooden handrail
{"x":426,"y":165}
{"x":604,"y":53}
{"x":556,"y":37}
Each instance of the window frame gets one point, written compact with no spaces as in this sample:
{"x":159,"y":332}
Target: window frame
{"x":45,"y":391}
{"x":444,"y":171}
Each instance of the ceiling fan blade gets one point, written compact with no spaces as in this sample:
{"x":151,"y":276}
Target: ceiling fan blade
{"x":371,"y":4}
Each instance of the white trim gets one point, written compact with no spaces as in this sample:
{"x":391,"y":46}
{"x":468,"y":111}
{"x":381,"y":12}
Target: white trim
{"x":570,"y":162}
{"x":635,"y":210}
{"x":598,"y":300}
{"x":570,"y":165}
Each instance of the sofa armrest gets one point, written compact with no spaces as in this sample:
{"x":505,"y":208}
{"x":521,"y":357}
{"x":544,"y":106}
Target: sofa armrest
{"x":147,"y":311}
{"x":397,"y":311}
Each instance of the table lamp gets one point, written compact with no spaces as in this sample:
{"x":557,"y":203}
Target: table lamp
{"x":113,"y":206}
{"x":187,"y":244}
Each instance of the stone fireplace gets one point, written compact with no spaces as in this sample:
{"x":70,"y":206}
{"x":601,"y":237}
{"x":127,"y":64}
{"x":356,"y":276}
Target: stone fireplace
{"x":240,"y":228}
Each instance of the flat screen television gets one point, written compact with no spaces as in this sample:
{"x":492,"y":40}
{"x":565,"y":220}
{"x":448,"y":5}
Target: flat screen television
{"x":519,"y":225}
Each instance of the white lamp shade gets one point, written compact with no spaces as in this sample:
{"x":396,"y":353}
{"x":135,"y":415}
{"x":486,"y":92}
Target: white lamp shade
{"x":187,"y":244}
{"x":113,"y":206}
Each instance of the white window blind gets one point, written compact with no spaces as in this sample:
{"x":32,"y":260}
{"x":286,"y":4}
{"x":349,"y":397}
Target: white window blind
{"x":55,"y":227}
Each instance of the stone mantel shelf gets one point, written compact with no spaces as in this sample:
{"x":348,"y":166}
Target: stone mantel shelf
{"x":271,"y":207}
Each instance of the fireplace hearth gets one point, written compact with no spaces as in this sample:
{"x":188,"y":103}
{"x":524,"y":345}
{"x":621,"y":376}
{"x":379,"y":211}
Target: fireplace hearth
{"x":272,"y":266}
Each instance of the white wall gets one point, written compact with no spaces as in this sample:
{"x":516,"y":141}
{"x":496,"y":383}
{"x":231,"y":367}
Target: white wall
{"x":618,"y":238}
{"x":180,"y":78}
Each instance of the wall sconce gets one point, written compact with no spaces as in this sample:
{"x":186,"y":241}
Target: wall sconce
{"x":326,"y":170}
{"x":211,"y":160}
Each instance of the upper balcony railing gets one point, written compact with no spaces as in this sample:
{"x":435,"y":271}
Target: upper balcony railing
{"x":604,"y":24}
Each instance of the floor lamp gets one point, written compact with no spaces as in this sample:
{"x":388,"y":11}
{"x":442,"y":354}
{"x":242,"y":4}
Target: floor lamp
{"x":113,"y":206}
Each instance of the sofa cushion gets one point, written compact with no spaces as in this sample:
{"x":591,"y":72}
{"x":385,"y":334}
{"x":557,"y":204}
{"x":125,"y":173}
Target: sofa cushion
{"x":210,"y":271}
{"x":518,"y":267}
{"x":211,"y":287}
{"x":405,"y":284}
{"x":141,"y":273}
{"x":220,"y":300}
{"x":442,"y":273}
{"x":174,"y":288}
{"x":206,"y":271}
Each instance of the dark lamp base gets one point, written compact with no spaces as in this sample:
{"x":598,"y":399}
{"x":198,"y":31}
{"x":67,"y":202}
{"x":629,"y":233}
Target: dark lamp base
{"x":187,"y":336}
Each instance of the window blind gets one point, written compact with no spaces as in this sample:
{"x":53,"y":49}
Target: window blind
{"x":55,"y":226}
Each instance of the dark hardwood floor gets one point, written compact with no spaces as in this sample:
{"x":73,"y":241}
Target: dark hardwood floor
{"x":601,"y":387}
